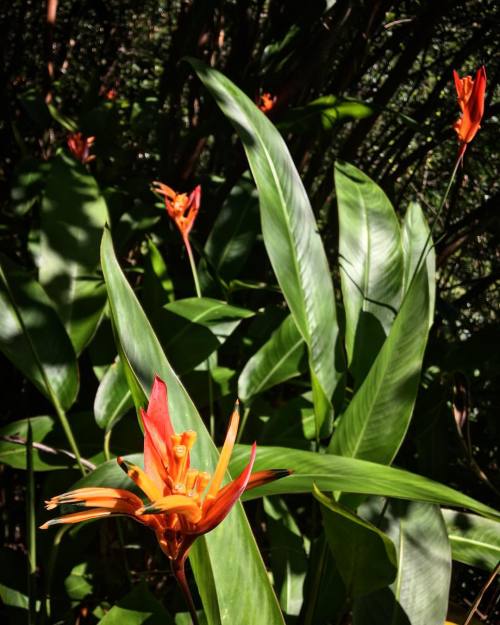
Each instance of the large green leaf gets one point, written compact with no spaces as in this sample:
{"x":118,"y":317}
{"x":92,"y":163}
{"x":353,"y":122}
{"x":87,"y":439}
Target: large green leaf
{"x":33,"y":338}
{"x":290,"y":233}
{"x":419,"y":595}
{"x":365,"y":556}
{"x":474,"y":540}
{"x":371,"y":265}
{"x":416,"y":237}
{"x":226,"y":591}
{"x":235,"y":229}
{"x":337,"y":473}
{"x":279,"y":359}
{"x":13,"y":438}
{"x":375,"y":422}
{"x":72,"y":218}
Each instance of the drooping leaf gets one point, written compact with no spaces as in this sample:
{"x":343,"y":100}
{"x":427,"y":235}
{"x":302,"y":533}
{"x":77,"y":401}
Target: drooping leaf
{"x":290,"y":234}
{"x":415,"y":237}
{"x":113,"y":398}
{"x":338,"y":473}
{"x":280,"y":359}
{"x":419,"y":594}
{"x":324,"y":113}
{"x":474,"y":540}
{"x":223,"y":590}
{"x":371,"y":265}
{"x":375,"y":422}
{"x":72,"y":218}
{"x":288,"y":554}
{"x":33,"y":338}
{"x":364,"y":555}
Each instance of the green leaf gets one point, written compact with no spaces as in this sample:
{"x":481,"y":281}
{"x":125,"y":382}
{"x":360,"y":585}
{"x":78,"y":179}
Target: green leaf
{"x":78,"y":584}
{"x":288,"y":554}
{"x":234,"y":231}
{"x":139,"y":607}
{"x":337,"y":473}
{"x":416,"y":237}
{"x":290,"y":233}
{"x":375,"y":422}
{"x":113,"y":398}
{"x":193,"y":328}
{"x":72,"y":218}
{"x":474,"y":540}
{"x":280,"y":359}
{"x":365,"y":556}
{"x":226,"y":592}
{"x":419,"y":595}
{"x":33,"y":338}
{"x":323,"y":113}
{"x":13,"y":576}
{"x":14,"y":453}
{"x":371,"y":265}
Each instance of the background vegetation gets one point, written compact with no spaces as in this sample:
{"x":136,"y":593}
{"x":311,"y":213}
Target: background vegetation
{"x":368,"y":83}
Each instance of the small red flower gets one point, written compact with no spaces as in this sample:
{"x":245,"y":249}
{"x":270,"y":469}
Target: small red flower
{"x":470,"y":95}
{"x":267,"y":102}
{"x":181,"y":208}
{"x":111,"y":94}
{"x":80,"y":147}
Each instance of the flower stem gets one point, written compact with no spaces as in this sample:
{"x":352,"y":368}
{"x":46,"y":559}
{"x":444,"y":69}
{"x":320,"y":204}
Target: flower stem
{"x":31,"y":527}
{"x":197,"y":287}
{"x":180,"y":575}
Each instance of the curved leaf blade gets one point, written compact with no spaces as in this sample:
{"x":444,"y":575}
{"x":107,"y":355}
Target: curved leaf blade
{"x":290,"y":233}
{"x":113,"y":398}
{"x":350,"y":475}
{"x":375,"y":422}
{"x":474,"y":540}
{"x":145,"y":357}
{"x":33,"y":338}
{"x":371,"y":265}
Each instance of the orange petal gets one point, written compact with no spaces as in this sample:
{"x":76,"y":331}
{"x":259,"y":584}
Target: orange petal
{"x":76,"y":517}
{"x":155,"y":465}
{"x":226,"y":452}
{"x":86,"y":496}
{"x":179,"y":504}
{"x":143,"y":481}
{"x":217,"y":509}
{"x":158,"y":421}
{"x":164,"y":189}
{"x":260,"y":478}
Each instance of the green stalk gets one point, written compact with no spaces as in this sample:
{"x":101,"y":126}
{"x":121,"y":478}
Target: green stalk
{"x":51,"y":568}
{"x":180,"y":575}
{"x":197,"y":287}
{"x":31,"y":527}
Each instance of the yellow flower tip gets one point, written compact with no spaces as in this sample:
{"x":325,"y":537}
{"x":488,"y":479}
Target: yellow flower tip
{"x":179,"y":489}
{"x":50,"y":505}
{"x":188,"y":439}
{"x":45,"y":526}
{"x":179,"y":451}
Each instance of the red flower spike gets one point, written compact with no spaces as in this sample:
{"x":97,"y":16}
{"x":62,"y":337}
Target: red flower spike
{"x":470,"y":95}
{"x":80,"y":147}
{"x":182,"y":503}
{"x":181,"y":208}
{"x":267,"y":102}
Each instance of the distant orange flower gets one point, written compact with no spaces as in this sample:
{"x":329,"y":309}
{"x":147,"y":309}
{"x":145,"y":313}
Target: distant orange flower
{"x":182,"y":503}
{"x":470,"y":95}
{"x":80,"y":147}
{"x":111,"y":94}
{"x":181,"y":208}
{"x":267,"y":102}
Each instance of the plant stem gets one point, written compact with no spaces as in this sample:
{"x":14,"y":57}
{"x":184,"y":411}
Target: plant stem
{"x":180,"y":575}
{"x":107,"y":439}
{"x":480,"y":596}
{"x":197,"y":288}
{"x":69,"y":433}
{"x":31,"y":527}
{"x":51,"y":567}
{"x":244,"y":419}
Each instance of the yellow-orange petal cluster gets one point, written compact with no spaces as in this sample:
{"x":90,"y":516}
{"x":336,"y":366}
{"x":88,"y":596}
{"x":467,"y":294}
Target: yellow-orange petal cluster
{"x":267,"y":102}
{"x":470,"y":95}
{"x":80,"y":147}
{"x":181,"y":207}
{"x":181,"y":501}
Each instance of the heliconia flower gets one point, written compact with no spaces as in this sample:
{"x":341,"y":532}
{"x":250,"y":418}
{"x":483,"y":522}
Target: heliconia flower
{"x":111,"y":94}
{"x":267,"y":102}
{"x":470,"y":95}
{"x":182,"y":502}
{"x":80,"y":147}
{"x":181,"y":207}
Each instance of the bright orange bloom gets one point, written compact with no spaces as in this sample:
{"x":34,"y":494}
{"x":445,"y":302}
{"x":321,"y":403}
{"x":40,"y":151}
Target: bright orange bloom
{"x":181,"y":208}
{"x":470,"y":94}
{"x":80,"y":147}
{"x":111,"y":94}
{"x":267,"y":102}
{"x":182,"y":503}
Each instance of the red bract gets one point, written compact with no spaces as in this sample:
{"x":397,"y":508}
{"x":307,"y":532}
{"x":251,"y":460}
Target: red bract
{"x":181,"y":208}
{"x":470,"y":95}
{"x":80,"y":147}
{"x":182,"y":502}
{"x":267,"y":102}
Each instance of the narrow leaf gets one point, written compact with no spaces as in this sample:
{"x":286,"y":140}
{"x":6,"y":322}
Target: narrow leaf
{"x":474,"y":540}
{"x":113,"y":398}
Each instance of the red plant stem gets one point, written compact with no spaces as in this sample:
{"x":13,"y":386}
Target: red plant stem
{"x":180,"y":575}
